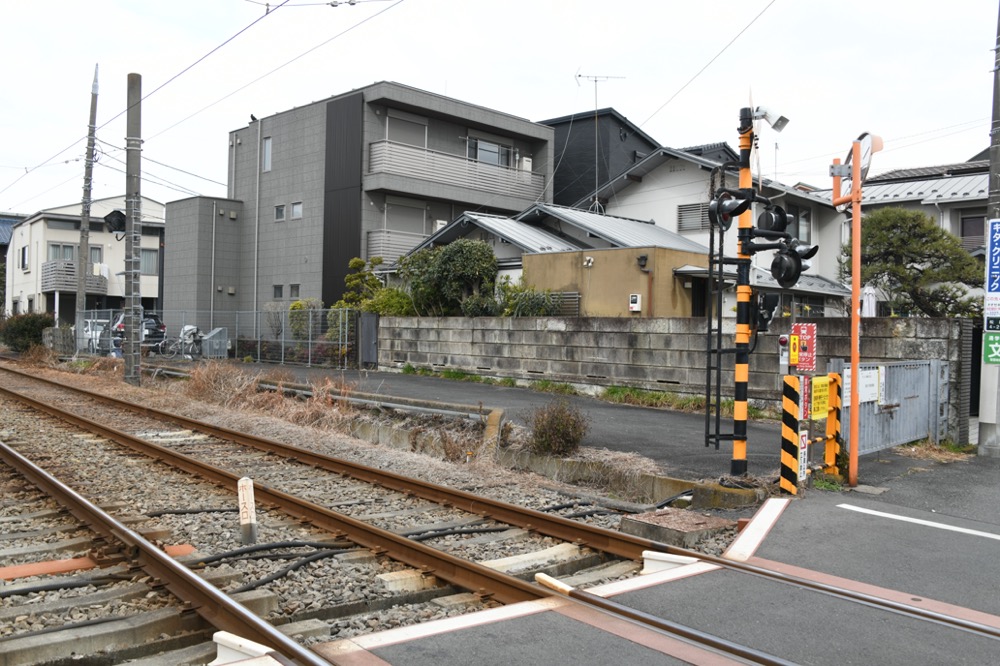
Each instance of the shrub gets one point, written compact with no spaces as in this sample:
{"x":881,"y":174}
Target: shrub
{"x":558,"y":428}
{"x":390,"y":302}
{"x":304,"y":320}
{"x":23,"y":331}
{"x":480,"y":306}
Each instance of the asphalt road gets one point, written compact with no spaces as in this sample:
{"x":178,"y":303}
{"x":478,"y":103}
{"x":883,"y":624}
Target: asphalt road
{"x":676,"y":440}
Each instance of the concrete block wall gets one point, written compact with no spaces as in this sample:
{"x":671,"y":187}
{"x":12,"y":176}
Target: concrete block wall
{"x":660,"y":354}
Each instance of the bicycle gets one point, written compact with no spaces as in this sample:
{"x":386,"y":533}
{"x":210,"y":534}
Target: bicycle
{"x":188,"y":344}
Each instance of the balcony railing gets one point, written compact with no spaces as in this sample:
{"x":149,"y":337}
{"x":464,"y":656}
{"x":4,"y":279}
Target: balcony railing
{"x":62,"y":276}
{"x":403,"y":160}
{"x":391,"y":245}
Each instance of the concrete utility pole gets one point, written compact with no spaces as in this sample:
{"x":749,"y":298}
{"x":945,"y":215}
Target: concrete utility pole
{"x":989,"y":436}
{"x":133,"y":230}
{"x":83,"y":255}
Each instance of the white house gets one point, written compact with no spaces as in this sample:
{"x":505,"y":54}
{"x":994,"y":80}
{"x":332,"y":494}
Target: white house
{"x":43,"y":252}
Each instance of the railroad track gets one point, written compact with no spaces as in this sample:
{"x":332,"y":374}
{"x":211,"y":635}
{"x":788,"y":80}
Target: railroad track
{"x":398,"y":543}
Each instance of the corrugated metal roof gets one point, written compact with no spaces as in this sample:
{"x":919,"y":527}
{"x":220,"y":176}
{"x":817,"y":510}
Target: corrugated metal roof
{"x":807,"y":284}
{"x":620,"y":231}
{"x":928,"y":192}
{"x":525,"y":236}
{"x":6,"y":225}
{"x":923,"y":173}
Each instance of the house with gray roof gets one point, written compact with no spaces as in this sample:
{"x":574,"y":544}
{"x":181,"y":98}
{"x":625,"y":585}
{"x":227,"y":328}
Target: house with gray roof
{"x":672,"y":189}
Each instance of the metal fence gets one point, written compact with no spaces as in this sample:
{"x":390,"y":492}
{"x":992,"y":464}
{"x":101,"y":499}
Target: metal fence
{"x":320,"y":337}
{"x":900,"y":402}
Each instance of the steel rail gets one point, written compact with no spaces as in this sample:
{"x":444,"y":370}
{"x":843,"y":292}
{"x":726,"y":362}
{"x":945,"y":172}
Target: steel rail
{"x":604,"y":540}
{"x":221,"y":611}
{"x":463,"y":573}
{"x":187,"y":586}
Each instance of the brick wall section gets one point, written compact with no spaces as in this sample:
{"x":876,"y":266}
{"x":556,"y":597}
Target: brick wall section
{"x":659,"y":354}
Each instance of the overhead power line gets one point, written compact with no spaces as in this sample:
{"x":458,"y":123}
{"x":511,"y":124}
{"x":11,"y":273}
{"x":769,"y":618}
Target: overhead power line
{"x":168,"y":81}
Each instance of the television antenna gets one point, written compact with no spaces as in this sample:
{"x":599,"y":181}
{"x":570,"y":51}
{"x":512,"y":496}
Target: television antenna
{"x":595,"y":206}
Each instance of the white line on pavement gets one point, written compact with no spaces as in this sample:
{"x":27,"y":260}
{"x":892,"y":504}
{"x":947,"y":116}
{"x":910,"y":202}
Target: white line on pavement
{"x":918,"y":521}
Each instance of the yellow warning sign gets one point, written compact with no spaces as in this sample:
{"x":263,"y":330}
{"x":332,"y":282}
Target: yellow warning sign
{"x":793,"y":350}
{"x":820,"y":398}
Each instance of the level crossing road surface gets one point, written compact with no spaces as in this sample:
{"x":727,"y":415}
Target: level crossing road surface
{"x":913,"y":540}
{"x":675,"y":440}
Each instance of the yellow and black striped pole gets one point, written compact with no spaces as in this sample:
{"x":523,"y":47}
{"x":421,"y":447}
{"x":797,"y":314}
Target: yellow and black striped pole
{"x":790,"y":435}
{"x":833,"y":435}
{"x":738,"y":466}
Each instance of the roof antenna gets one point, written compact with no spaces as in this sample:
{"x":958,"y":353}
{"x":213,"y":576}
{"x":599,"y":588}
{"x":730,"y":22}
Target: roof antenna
{"x":595,"y":206}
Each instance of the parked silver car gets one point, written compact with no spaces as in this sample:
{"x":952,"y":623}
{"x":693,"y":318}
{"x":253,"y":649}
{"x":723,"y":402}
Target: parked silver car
{"x":92,"y":329}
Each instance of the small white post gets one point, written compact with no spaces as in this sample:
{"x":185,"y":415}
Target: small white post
{"x":248,"y":512}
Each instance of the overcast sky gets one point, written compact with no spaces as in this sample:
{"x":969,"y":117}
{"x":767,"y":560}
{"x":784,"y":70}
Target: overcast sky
{"x":916,"y":72}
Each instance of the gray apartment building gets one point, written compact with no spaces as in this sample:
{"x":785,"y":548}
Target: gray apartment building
{"x":367,"y":173}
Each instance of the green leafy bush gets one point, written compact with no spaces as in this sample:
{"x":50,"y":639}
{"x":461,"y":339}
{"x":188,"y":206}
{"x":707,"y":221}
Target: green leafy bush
{"x":519,"y":300}
{"x":480,"y":305}
{"x":390,"y":302}
{"x":303,"y":319}
{"x":24,"y":331}
{"x":558,"y":428}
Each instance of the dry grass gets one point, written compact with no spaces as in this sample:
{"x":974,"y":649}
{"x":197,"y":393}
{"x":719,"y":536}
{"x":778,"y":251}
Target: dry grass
{"x":40,"y":356}
{"x":927,"y":450}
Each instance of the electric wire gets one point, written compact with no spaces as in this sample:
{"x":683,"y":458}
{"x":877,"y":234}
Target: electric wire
{"x":173,"y":78}
{"x":709,"y":63}
{"x":278,"y":68}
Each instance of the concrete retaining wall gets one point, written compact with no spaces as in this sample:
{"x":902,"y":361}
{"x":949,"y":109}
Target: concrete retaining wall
{"x":661,"y":354}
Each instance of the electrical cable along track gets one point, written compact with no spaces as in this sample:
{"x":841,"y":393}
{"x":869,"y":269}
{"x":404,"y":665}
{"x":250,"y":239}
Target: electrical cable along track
{"x":325,"y":488}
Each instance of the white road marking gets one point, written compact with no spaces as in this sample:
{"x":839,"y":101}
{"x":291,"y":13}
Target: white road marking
{"x":749,"y":540}
{"x":918,"y":521}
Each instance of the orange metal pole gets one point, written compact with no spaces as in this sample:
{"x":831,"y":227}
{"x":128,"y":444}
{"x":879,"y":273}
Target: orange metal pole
{"x":852,"y":469}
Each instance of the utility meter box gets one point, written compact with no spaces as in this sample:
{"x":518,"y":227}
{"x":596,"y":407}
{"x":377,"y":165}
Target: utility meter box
{"x":635,"y":302}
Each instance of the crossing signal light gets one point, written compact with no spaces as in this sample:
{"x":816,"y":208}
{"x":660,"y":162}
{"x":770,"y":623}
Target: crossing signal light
{"x":762,"y":311}
{"x":790,"y":261}
{"x":774,"y":218}
{"x":724,"y":207}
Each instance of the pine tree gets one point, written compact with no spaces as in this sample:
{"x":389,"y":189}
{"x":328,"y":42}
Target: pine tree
{"x":922,"y":267}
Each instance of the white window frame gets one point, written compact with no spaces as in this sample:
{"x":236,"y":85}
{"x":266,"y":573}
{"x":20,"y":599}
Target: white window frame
{"x":293,"y":291}
{"x":62,"y":251}
{"x":265,"y":154}
{"x":147,"y":255}
{"x":296,"y":212}
{"x":278,"y":291}
{"x":279,"y":213}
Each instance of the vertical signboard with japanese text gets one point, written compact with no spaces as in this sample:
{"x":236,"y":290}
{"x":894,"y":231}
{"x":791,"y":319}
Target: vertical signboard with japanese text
{"x":806,"y":336}
{"x":991,"y":301}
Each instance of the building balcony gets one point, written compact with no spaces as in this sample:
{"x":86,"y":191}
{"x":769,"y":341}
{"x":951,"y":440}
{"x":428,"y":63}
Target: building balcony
{"x":62,"y":276}
{"x":386,"y":157}
{"x":391,"y":245}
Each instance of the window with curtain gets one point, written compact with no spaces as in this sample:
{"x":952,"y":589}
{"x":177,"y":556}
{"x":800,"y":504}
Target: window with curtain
{"x":149,"y":262}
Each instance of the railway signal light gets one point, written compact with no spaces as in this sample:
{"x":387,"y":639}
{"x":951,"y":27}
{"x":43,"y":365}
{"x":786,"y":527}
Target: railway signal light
{"x":115,"y":221}
{"x":724,"y":207}
{"x":763,"y":309}
{"x":790,"y":260}
{"x":774,"y":218}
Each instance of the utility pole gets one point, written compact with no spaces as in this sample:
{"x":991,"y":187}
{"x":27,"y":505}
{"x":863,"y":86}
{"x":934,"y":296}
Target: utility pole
{"x":83,"y":255}
{"x":133,"y":230}
{"x":989,"y":405}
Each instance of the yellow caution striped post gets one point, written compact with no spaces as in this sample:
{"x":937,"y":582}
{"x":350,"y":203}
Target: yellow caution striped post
{"x":833,"y":432}
{"x":790,"y":435}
